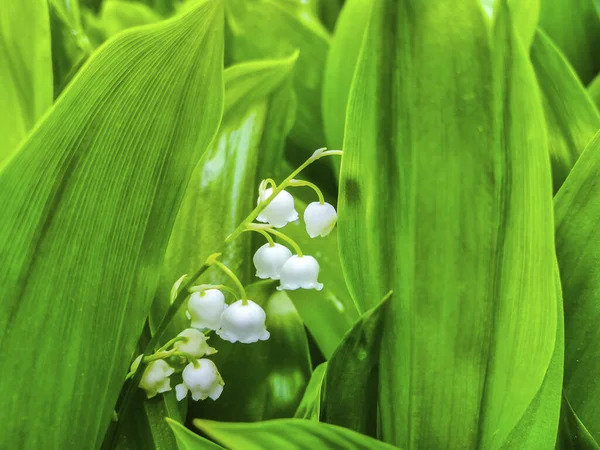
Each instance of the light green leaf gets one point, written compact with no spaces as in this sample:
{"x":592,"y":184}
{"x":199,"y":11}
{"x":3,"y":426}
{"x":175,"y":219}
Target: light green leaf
{"x":188,"y":440}
{"x":330,"y":313}
{"x":310,"y":406}
{"x":571,"y":117}
{"x":87,"y":207}
{"x":577,"y":213}
{"x":574,"y":26}
{"x":274,"y":29}
{"x":445,"y":197}
{"x":538,"y":427}
{"x":340,"y":67}
{"x":264,"y":380}
{"x":287,"y":434}
{"x":351,"y":383}
{"x":25,"y":70}
{"x":594,"y":90}
{"x":119,"y":15}
{"x":525,"y":14}
{"x":573,"y":434}
{"x":259,"y":111}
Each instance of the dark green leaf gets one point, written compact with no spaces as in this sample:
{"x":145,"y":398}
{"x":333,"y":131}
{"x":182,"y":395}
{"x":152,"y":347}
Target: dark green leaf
{"x":571,"y":117}
{"x":289,"y":434}
{"x":577,"y":214}
{"x":87,"y":206}
{"x":594,"y":91}
{"x":573,"y":434}
{"x":575,"y":28}
{"x":187,"y":440}
{"x":351,"y":382}
{"x":446,"y":199}
{"x":310,"y":406}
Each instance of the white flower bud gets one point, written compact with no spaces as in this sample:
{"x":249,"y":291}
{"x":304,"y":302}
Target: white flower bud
{"x":268,"y":260}
{"x":319,"y":219}
{"x":244,"y":323}
{"x":155,"y":379}
{"x":205,"y":309}
{"x":195,"y":345}
{"x":279,"y":211}
{"x":300,"y":272}
{"x":202,"y":381}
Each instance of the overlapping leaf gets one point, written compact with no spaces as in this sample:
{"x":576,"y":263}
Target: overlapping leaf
{"x":310,"y":405}
{"x":446,"y":199}
{"x":577,"y":214}
{"x":571,"y":117}
{"x":188,"y":440}
{"x":25,"y":70}
{"x":87,"y":206}
{"x":287,"y":434}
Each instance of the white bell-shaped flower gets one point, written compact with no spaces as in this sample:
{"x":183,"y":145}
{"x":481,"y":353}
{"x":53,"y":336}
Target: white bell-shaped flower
{"x":300,"y":272}
{"x":280,"y":211}
{"x":195,"y":345}
{"x":269,"y":259}
{"x":244,"y":323}
{"x":320,"y":219}
{"x":202,"y":381}
{"x":155,"y":379}
{"x":205,"y":309}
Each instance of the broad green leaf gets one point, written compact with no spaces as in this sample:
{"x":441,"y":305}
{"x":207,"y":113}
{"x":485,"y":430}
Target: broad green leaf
{"x":259,"y":111}
{"x":330,"y":313}
{"x":573,"y":434}
{"x":594,"y":91}
{"x":87,"y":206}
{"x":351,"y":382}
{"x":574,"y":26}
{"x":275,"y":28}
{"x":25,"y":70}
{"x":310,"y":405}
{"x":577,"y":213}
{"x":525,"y":14}
{"x":538,"y":427}
{"x":571,"y":117}
{"x":287,"y":434}
{"x":118,"y":15}
{"x":264,"y":380}
{"x":188,"y":440}
{"x":340,"y":67}
{"x":70,"y":44}
{"x":445,"y":198}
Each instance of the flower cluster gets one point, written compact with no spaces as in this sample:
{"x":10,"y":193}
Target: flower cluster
{"x":243,"y":320}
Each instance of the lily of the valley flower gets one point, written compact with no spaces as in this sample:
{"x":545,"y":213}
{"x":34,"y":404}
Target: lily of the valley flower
{"x":280,"y":211}
{"x":155,"y":379}
{"x":195,"y":345}
{"x":269,"y":259}
{"x":205,"y":309}
{"x":320,"y":219}
{"x":300,"y":272}
{"x":202,"y":381}
{"x":244,"y":323}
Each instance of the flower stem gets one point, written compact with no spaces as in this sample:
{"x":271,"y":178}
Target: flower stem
{"x":189,"y":357}
{"x":310,"y":185}
{"x":204,"y":287}
{"x":263,"y":232}
{"x":235,"y":279}
{"x":287,"y":239}
{"x":320,"y":153}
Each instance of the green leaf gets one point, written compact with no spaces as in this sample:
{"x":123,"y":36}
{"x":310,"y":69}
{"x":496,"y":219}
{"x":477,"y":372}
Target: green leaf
{"x":574,"y":27}
{"x":446,"y":152}
{"x":264,"y":380}
{"x":87,"y":205}
{"x":310,"y":406}
{"x":351,"y":384}
{"x":119,"y":15}
{"x":25,"y":71}
{"x":330,"y":313}
{"x":273,"y":28}
{"x":573,"y":434}
{"x":594,"y":91}
{"x":340,"y":67}
{"x":577,"y":213}
{"x":259,"y":111}
{"x":188,"y":440}
{"x":571,"y":117}
{"x":538,"y":427}
{"x":525,"y":14}
{"x":288,"y":434}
